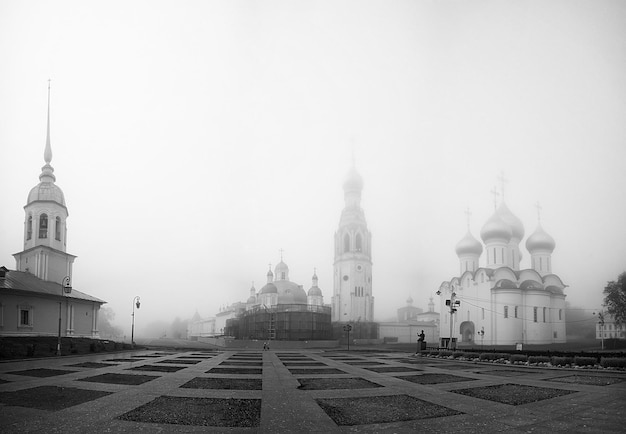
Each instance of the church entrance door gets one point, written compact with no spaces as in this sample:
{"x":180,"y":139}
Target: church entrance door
{"x":467,"y":331}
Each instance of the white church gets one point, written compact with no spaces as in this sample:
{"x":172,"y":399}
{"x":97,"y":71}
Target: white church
{"x":499,"y":303}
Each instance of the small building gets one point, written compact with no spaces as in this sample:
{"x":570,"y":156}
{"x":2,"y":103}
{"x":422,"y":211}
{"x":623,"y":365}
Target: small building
{"x":607,"y":329}
{"x":411,"y":322}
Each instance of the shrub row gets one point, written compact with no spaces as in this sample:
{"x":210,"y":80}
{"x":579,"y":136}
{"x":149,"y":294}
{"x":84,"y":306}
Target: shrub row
{"x":605,"y":362}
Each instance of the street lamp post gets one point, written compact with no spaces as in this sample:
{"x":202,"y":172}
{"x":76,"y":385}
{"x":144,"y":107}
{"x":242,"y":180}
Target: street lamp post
{"x":453,"y":303}
{"x":132,"y":329}
{"x":601,"y":322}
{"x":66,"y":287}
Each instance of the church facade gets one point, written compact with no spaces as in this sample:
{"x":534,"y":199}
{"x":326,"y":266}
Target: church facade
{"x":500,"y":303}
{"x":37,"y":296}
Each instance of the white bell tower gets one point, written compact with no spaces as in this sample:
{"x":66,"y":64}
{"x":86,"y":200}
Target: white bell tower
{"x":45,"y":229}
{"x":352,"y":280}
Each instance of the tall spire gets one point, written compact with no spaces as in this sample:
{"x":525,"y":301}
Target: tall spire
{"x":47,"y":174}
{"x":47,"y":155}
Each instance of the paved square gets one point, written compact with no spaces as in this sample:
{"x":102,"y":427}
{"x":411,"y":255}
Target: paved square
{"x":265,"y":393}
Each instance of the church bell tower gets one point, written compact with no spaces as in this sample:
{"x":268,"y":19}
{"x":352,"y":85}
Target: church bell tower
{"x":45,"y":229}
{"x":352,"y":299}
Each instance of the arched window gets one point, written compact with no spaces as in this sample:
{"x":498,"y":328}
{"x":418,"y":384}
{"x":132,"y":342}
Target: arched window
{"x":346,"y":243}
{"x":57,"y":229}
{"x":29,"y":228}
{"x":43,"y":226}
{"x":359,"y":243}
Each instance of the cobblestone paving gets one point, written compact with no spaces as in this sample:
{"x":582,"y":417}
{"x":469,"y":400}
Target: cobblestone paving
{"x":299,"y":391}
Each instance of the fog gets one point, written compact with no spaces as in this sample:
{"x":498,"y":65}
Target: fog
{"x":194,"y":140}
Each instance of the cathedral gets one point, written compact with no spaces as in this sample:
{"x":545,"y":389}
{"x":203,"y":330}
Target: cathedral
{"x":37,"y":298}
{"x":500,"y":303}
{"x":282,"y":310}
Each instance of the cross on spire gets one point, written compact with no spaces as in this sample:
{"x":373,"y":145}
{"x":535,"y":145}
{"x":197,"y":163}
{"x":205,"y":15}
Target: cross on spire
{"x":538,"y":206}
{"x":503,"y":182}
{"x":467,"y":217}
{"x":495,"y":194}
{"x":281,"y":254}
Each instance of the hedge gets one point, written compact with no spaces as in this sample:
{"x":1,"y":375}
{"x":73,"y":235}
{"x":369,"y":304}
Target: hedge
{"x":613,"y":362}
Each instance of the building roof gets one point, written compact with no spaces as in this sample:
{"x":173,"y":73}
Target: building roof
{"x":30,"y":284}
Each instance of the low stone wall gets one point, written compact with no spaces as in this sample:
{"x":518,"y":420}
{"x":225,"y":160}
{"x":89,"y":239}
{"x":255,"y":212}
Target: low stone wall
{"x":274,"y":345}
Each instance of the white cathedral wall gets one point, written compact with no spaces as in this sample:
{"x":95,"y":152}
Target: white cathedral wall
{"x":508,"y":329}
{"x":538,"y":332}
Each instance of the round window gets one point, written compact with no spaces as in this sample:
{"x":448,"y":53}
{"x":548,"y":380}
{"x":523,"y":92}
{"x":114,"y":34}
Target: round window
{"x":345,"y":278}
{"x":359,"y":267}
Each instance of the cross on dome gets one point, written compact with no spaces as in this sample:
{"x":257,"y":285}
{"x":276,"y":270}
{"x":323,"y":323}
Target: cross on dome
{"x":495,"y":194}
{"x":503,"y":182}
{"x":539,"y":208}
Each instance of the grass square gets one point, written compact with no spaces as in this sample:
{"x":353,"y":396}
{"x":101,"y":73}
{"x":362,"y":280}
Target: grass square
{"x":385,"y":369}
{"x":227,"y":370}
{"x":113,"y":378}
{"x":335,"y":383}
{"x":381,"y":409}
{"x":92,"y":365}
{"x":234,"y":413}
{"x":513,"y":394}
{"x":506,"y":372}
{"x":589,"y":380}
{"x":364,"y":363}
{"x":435,"y":378}
{"x":50,"y":397}
{"x":180,"y":362}
{"x":156,"y":368}
{"x":307,"y":371}
{"x":41,"y":372}
{"x":124,"y":360}
{"x":224,"y":383}
{"x":304,"y":364}
{"x":241,"y":363}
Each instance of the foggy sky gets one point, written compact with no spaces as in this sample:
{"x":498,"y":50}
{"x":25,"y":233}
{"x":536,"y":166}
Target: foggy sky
{"x":193,"y":140}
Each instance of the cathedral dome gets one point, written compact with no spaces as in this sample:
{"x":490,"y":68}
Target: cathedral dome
{"x":469,"y":246}
{"x":354,"y":181}
{"x":270,"y":288}
{"x":495,"y":228}
{"x":290,"y":293}
{"x":517,"y":228}
{"x":540,"y":240}
{"x":315,"y":291}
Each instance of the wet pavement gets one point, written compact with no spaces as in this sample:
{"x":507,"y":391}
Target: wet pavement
{"x":105,"y":390}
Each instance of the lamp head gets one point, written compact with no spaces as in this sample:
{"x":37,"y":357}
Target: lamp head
{"x":137,"y":304}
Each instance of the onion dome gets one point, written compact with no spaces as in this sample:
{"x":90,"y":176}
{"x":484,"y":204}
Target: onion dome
{"x":496,"y":228}
{"x":314,"y":290}
{"x":409,"y":301}
{"x":252,"y":298}
{"x":469,"y":246}
{"x":353,"y":182}
{"x":517,"y":228}
{"x":269,"y":288}
{"x":281,"y":271}
{"x":540,"y":240}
